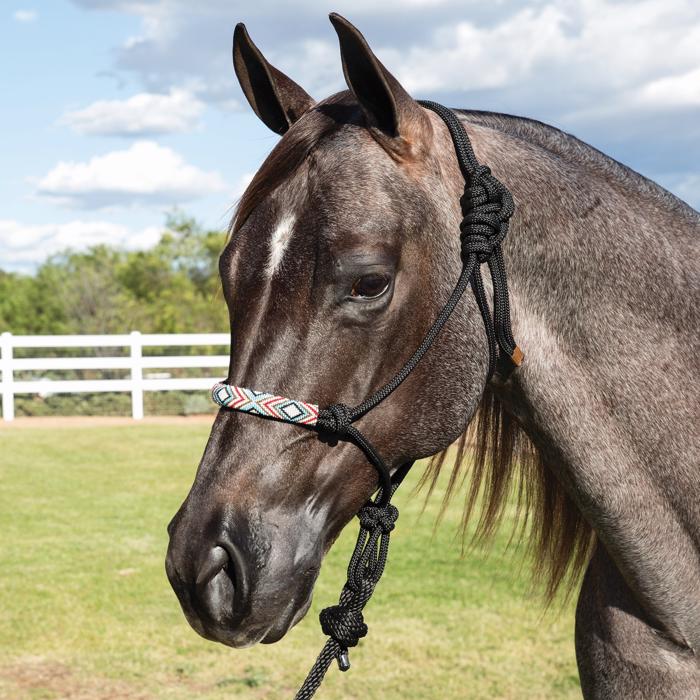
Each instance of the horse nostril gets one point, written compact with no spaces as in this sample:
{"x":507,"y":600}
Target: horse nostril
{"x":217,"y":560}
{"x":217,"y":594}
{"x":211,"y":581}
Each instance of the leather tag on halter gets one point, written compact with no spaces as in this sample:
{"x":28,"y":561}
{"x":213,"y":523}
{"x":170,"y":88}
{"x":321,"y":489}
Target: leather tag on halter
{"x":517,"y":357}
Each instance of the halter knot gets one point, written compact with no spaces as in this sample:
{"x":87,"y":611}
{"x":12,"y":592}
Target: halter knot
{"x":485,"y":207}
{"x":373,"y":517}
{"x":346,"y":626}
{"x":335,"y":419}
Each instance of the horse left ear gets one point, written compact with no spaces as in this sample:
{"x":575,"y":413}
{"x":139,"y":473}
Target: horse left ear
{"x":389,"y":109}
{"x":274,"y":97}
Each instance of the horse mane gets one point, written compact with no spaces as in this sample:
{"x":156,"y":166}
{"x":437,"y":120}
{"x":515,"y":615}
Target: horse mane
{"x":502,"y":457}
{"x":566,"y":146}
{"x":504,"y":463}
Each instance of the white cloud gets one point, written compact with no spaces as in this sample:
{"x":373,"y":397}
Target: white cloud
{"x":24,"y":245}
{"x":140,"y":115}
{"x":673,"y":91}
{"x":553,"y":52}
{"x":622,"y":74}
{"x":242,"y":184}
{"x":325,"y":77}
{"x":25,"y":15}
{"x":464,"y":56}
{"x":144,"y":173}
{"x":598,"y":47}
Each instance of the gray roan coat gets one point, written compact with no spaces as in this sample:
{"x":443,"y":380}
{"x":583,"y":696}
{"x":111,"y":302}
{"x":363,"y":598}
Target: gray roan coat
{"x":343,"y":250}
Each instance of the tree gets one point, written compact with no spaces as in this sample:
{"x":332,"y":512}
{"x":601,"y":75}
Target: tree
{"x":171,"y":288}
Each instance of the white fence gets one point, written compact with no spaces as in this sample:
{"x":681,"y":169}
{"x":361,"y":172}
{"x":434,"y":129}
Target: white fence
{"x":136,"y":362}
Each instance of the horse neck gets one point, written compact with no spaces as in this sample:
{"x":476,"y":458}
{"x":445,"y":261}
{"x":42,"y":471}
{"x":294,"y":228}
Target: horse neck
{"x":603,"y":288}
{"x":602,"y":292}
{"x":599,"y":269}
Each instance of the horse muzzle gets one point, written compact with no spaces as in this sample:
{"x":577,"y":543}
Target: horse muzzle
{"x":238,"y":585}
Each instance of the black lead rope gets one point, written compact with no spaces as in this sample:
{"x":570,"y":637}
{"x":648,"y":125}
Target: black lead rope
{"x":343,"y":623}
{"x":487,"y":206}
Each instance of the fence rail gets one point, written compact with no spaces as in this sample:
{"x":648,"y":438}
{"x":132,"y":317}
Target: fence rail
{"x":135,"y":362}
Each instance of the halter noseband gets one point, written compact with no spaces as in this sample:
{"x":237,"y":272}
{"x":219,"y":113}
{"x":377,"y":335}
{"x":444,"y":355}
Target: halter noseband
{"x":487,"y":206}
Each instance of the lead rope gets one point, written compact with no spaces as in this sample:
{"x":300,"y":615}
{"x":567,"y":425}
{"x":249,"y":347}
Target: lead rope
{"x":344,"y":623}
{"x":487,"y":206}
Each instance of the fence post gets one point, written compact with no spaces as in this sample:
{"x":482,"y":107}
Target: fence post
{"x":136,"y":377}
{"x":8,"y":397}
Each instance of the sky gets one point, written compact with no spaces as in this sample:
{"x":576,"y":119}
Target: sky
{"x":116,"y":112}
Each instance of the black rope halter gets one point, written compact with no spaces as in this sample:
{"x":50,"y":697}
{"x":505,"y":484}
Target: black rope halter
{"x":487,"y":206}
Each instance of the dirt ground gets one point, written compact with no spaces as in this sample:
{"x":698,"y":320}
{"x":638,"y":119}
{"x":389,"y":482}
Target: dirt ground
{"x":39,"y":678}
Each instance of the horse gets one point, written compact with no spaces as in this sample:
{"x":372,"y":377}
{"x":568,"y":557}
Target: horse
{"x":339,"y":257}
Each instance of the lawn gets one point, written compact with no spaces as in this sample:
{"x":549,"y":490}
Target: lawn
{"x":87,"y":612}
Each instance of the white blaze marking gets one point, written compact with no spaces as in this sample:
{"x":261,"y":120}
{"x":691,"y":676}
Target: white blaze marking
{"x":278,"y":243}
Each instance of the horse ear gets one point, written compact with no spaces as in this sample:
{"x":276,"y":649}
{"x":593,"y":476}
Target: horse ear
{"x":387,"y":106}
{"x":274,"y":97}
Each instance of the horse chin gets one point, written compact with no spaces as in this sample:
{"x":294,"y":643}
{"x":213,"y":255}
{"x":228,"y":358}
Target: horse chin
{"x":277,"y":631}
{"x":248,"y":635}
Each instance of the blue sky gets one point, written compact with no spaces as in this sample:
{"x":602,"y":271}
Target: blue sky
{"x":116,"y":111}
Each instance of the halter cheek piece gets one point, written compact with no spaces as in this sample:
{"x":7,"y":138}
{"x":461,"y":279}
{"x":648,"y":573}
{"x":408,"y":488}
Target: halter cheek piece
{"x":487,"y":206}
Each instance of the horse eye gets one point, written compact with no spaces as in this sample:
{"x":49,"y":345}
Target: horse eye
{"x":370,"y":286}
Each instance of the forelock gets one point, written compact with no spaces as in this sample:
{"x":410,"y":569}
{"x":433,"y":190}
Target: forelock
{"x":326,"y":118}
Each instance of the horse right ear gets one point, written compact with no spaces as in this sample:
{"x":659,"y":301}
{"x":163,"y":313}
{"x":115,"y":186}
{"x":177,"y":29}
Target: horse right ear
{"x":274,"y":97}
{"x":397,"y":121}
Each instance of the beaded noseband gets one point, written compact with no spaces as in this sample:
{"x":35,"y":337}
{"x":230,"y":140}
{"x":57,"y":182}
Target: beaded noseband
{"x":487,"y":206}
{"x":268,"y":405}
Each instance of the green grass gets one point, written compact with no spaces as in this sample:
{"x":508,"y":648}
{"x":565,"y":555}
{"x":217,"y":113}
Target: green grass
{"x":87,"y":612}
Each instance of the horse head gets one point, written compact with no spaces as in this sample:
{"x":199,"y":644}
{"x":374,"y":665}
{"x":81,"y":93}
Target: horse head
{"x":341,"y":254}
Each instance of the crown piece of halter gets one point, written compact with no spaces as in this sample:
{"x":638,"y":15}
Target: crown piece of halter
{"x":260,"y":403}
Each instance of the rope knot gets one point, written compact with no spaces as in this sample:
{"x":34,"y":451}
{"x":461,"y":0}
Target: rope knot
{"x":335,"y":419}
{"x":372,"y":517}
{"x":347,"y":627}
{"x":485,"y":208}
